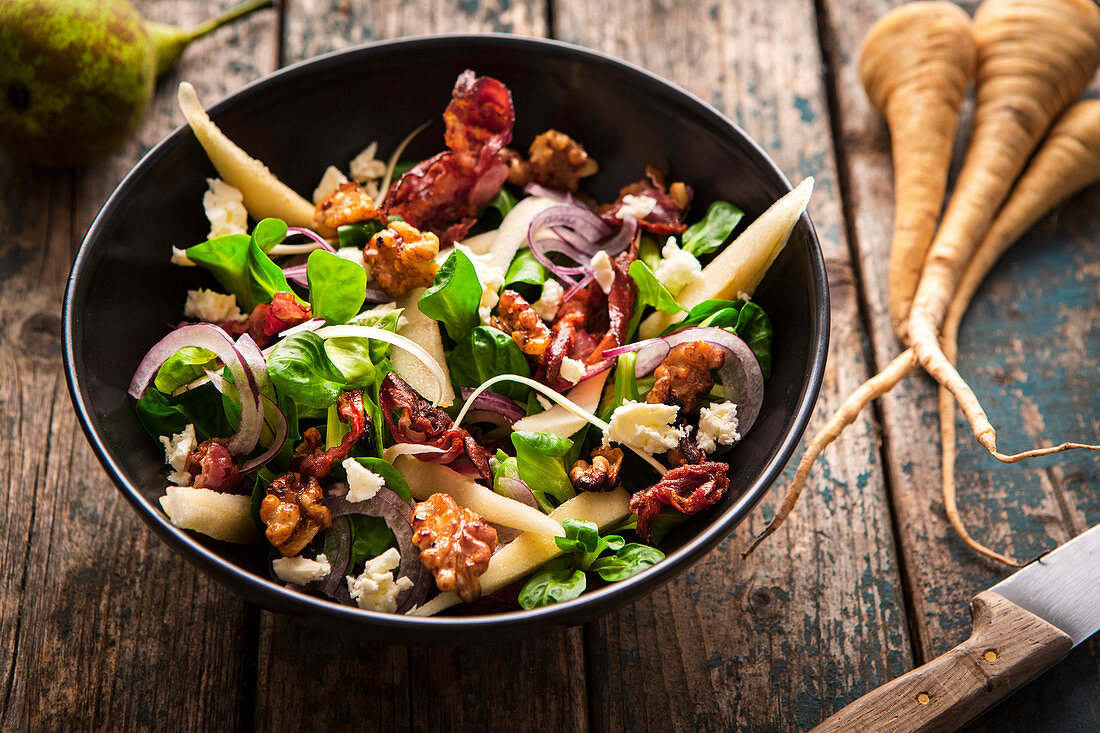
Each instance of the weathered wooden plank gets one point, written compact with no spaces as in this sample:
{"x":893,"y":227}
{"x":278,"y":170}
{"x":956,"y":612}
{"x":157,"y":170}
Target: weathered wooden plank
{"x":533,"y":683}
{"x":1030,"y":349}
{"x":774,"y":642}
{"x":93,"y":609}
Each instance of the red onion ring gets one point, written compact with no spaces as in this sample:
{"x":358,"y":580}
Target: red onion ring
{"x":494,"y":404}
{"x":537,"y":189}
{"x":578,"y":286}
{"x":215,"y":339}
{"x":376,"y":295}
{"x":338,"y":552}
{"x":279,"y":432}
{"x":297,"y":275}
{"x":312,"y":235}
{"x":741,"y":376}
{"x":623,"y":239}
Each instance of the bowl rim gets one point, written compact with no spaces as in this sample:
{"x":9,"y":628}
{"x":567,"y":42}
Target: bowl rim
{"x":590,"y":604}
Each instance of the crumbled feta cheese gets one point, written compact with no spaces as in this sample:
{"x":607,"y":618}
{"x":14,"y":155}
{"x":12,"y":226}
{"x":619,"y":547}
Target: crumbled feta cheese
{"x":717,"y":426}
{"x":375,"y":589}
{"x":605,"y":272}
{"x":646,"y":426}
{"x":363,"y":483}
{"x":177,"y":449}
{"x":678,"y":269}
{"x":548,"y":303}
{"x":352,"y":254}
{"x":491,"y":278}
{"x":179,"y":257}
{"x":365,"y":167}
{"x":572,"y":370}
{"x":637,"y":206}
{"x":224,"y":207}
{"x":301,"y":570}
{"x":329,"y":184}
{"x":212,"y":307}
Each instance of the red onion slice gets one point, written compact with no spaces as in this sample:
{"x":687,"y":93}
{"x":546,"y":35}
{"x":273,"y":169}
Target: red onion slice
{"x":494,"y":404}
{"x":517,"y":489}
{"x":297,"y":275}
{"x":376,"y":295}
{"x":589,"y":227}
{"x":623,"y":239}
{"x":338,"y":552}
{"x":215,"y":339}
{"x":578,"y":286}
{"x":740,"y":373}
{"x":250,"y":350}
{"x":537,"y":189}
{"x":279,"y":428}
{"x":312,"y":235}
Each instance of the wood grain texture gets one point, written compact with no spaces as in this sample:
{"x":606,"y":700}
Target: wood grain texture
{"x":778,"y":641}
{"x":1030,"y":349}
{"x":1009,"y":647}
{"x":93,"y":608}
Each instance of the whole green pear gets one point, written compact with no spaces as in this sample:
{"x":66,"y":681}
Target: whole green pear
{"x":76,"y":76}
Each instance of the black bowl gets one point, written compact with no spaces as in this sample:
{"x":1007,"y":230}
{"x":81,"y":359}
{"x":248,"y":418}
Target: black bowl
{"x":123,"y":294}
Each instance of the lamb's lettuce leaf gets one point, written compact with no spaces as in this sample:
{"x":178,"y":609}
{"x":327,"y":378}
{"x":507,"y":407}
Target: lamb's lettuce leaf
{"x":539,"y":460}
{"x":301,"y":368}
{"x":337,"y":286}
{"x":184,"y":367}
{"x":745,"y":318}
{"x":486,"y":352}
{"x":714,"y":229}
{"x":558,"y":581}
{"x":240,"y":263}
{"x":454,"y":296}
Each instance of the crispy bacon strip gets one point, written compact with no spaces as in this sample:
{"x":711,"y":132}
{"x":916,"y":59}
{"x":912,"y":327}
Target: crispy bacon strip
{"x":444,"y":193}
{"x":689,"y":489}
{"x":590,"y":323}
{"x":419,"y":422}
{"x":666,"y":216}
{"x":311,"y":459}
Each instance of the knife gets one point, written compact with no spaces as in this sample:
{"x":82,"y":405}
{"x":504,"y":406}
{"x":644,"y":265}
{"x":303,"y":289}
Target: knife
{"x":1023,"y":626}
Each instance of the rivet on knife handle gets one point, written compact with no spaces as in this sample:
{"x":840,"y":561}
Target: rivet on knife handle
{"x":1008,"y":647}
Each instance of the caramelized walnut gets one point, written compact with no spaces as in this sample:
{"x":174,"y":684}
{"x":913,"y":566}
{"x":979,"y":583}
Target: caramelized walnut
{"x":684,"y":376}
{"x":348,"y":205}
{"x":602,"y":474}
{"x":402,"y":258}
{"x":515,"y":316}
{"x":558,"y":161}
{"x":455,"y":544}
{"x":293,"y":513}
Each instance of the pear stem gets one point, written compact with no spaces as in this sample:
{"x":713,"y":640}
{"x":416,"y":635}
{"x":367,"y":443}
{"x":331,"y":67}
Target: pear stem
{"x":237,"y":11}
{"x":169,"y":41}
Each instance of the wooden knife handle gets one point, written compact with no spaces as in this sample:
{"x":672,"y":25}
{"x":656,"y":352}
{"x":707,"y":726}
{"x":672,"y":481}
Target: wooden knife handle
{"x":1008,"y":647}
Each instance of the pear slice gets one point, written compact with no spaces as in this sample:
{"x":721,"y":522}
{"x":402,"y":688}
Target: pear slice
{"x":424,"y":331}
{"x":224,"y":517}
{"x":264,"y":194}
{"x":560,"y":421}
{"x":531,"y":549}
{"x":740,"y":267}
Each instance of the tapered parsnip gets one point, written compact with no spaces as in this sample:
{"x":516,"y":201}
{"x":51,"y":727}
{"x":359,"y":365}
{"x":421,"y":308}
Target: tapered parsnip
{"x":530,"y":550}
{"x":917,"y":63}
{"x":740,"y":267}
{"x":264,"y":194}
{"x":1034,"y":57}
{"x":1068,"y":161}
{"x":426,"y":478}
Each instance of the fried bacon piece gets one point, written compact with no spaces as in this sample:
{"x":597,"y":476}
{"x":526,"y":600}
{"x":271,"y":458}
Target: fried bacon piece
{"x":455,"y":544}
{"x":349,"y":204}
{"x":555,"y":160}
{"x":602,"y":474}
{"x":689,"y":488}
{"x":311,"y":459}
{"x":402,"y":258}
{"x":213,"y":468}
{"x":686,"y":452}
{"x":589,"y":323}
{"x":668,"y":208}
{"x":269,"y":319}
{"x":515,"y":316}
{"x":684,"y":376}
{"x":419,"y":422}
{"x":444,"y":193}
{"x":293,"y":513}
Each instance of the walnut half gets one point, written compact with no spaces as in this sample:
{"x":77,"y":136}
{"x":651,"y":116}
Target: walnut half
{"x":293,"y":513}
{"x":602,"y":474}
{"x":455,"y":544}
{"x":401,"y":258}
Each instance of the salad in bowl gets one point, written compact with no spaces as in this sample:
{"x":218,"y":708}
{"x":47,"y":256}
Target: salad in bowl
{"x":460,"y":382}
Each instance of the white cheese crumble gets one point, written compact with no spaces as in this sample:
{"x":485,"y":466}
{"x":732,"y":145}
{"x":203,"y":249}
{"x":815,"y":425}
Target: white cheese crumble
{"x":365,"y":167}
{"x":329,"y":184}
{"x":605,"y":272}
{"x":637,"y":206}
{"x":491,"y":278}
{"x":301,"y":570}
{"x":678,"y":269}
{"x":645,"y":426}
{"x":224,"y":206}
{"x":375,"y":589}
{"x":572,"y":370}
{"x":176,"y":451}
{"x":179,"y":257}
{"x":212,"y":307}
{"x":363,"y":483}
{"x":717,"y":425}
{"x":548,"y":303}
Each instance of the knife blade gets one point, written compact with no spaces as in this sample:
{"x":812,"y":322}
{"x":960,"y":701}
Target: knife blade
{"x":1023,"y":626}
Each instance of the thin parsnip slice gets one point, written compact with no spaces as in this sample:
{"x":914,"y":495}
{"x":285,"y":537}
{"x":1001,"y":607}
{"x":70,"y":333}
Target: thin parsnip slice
{"x":560,"y":421}
{"x":530,"y":550}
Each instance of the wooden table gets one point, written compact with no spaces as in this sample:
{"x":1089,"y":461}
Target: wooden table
{"x":102,"y":627}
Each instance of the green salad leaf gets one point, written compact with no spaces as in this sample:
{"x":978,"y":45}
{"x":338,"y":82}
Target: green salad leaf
{"x":370,"y":537}
{"x":651,"y":291}
{"x":525,"y":269}
{"x":337,"y":286}
{"x":358,"y":234}
{"x":240,"y":263}
{"x":161,"y":414}
{"x":558,"y":581}
{"x":583,"y":541}
{"x":455,"y":295}
{"x":628,"y":560}
{"x":540,"y":465}
{"x":184,"y":367}
{"x":715,"y":228}
{"x":745,"y":318}
{"x":486,"y":352}
{"x":300,"y":367}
